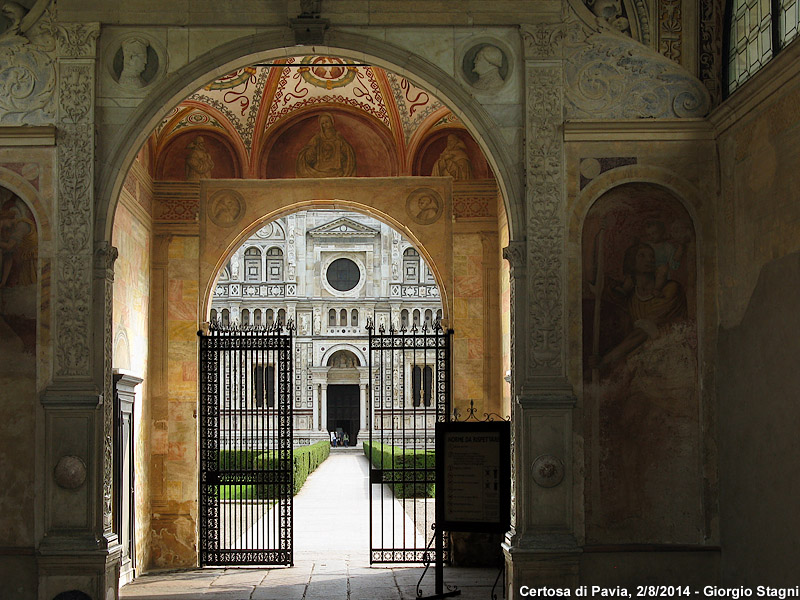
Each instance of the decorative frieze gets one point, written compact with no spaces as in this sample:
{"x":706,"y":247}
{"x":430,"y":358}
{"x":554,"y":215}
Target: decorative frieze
{"x":670,"y":29}
{"x":711,"y":26}
{"x":545,"y":183}
{"x":27,"y":71}
{"x":613,"y":77}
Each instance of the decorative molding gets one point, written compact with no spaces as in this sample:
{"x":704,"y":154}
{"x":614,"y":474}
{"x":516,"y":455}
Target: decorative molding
{"x":77,"y":40}
{"x":28,"y":72}
{"x":613,"y":77}
{"x":343,"y":227}
{"x":41,"y":135}
{"x":637,"y":130}
{"x":545,"y":230}
{"x":76,"y":93}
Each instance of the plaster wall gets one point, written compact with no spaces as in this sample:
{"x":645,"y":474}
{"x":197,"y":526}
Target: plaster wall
{"x":133,"y":237}
{"x":759,"y":232}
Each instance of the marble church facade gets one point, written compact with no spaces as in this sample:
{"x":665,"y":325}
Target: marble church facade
{"x":617,"y":257}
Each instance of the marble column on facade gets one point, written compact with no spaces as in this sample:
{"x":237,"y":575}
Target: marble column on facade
{"x":363,"y":406}
{"x":541,"y":545}
{"x":324,"y":403}
{"x":316,"y":404}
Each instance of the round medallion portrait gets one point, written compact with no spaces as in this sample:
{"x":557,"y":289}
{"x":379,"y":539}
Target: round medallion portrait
{"x":424,"y":206}
{"x":226,"y":208}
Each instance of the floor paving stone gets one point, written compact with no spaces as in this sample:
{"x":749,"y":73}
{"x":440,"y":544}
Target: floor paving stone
{"x":331,"y":520}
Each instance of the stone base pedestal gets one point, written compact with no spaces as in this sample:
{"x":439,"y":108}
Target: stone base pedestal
{"x":94,"y":573}
{"x":540,"y":568}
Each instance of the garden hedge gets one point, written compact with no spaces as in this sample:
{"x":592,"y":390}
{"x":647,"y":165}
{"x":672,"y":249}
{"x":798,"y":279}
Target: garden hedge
{"x":306,"y":459}
{"x":396,"y":460}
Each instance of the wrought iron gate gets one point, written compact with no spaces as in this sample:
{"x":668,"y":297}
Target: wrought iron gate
{"x":246,"y":474}
{"x":409,"y":392}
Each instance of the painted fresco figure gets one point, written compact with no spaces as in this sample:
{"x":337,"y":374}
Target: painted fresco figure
{"x":649,"y":308}
{"x":19,"y":248}
{"x":454,"y":160}
{"x":327,"y":154}
{"x":198,"y":162}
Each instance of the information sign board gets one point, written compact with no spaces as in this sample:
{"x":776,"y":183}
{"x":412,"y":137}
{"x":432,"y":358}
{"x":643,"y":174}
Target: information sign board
{"x":473,"y":476}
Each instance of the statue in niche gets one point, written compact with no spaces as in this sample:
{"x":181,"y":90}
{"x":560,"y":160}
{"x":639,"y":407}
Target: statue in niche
{"x":18,"y":244}
{"x":454,"y":160}
{"x":486,"y":65}
{"x":327,"y":154}
{"x":198,"y":162}
{"x":304,"y":324}
{"x":134,"y":62}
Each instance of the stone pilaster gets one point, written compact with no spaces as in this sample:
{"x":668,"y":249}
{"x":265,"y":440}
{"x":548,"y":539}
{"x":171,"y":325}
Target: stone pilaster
{"x":79,"y":550}
{"x":541,"y":548}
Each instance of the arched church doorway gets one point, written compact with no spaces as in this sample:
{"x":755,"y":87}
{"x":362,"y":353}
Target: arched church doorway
{"x":343,"y":413}
{"x":182,"y":192}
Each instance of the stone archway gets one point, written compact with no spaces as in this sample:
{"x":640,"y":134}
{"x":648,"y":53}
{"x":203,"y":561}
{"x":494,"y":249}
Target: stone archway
{"x":175,"y":520}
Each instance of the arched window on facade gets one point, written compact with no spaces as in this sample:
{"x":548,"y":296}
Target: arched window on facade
{"x":439,"y":315}
{"x":270,"y":317}
{"x":245,"y":317}
{"x":281,"y":317}
{"x":343,"y":317}
{"x":226,"y":316}
{"x":274,"y":264}
{"x":404,"y":318}
{"x":332,"y":317}
{"x":756,"y":32}
{"x":410,"y":266}
{"x":427,"y":385}
{"x":213,"y":315}
{"x":354,"y":318}
{"x":428,"y":318}
{"x":257,"y":317}
{"x":416,"y":317}
{"x":264,"y":384}
{"x":252,"y":264}
{"x":416,"y":385}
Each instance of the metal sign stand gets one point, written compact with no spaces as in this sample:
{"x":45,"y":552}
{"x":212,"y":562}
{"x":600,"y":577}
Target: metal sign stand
{"x":438,"y":571}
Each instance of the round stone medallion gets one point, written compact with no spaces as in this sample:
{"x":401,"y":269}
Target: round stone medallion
{"x":548,"y":471}
{"x":70,"y":472}
{"x":424,"y":206}
{"x":226,"y":208}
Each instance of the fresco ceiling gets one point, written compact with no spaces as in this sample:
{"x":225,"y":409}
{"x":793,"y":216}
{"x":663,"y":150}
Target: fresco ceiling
{"x":250,"y":103}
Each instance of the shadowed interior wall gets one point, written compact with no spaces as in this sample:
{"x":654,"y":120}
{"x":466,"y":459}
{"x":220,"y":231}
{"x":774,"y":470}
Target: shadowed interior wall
{"x":759,"y":225}
{"x":18,"y":316}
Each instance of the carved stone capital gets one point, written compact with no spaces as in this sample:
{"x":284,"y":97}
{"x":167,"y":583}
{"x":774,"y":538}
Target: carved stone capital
{"x":515,"y":254}
{"x":105,"y":255}
{"x":77,"y":40}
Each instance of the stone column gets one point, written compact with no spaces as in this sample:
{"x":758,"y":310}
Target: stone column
{"x":363,"y":407}
{"x":79,"y":548}
{"x":541,"y":546}
{"x":316,"y":404}
{"x":324,"y":403}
